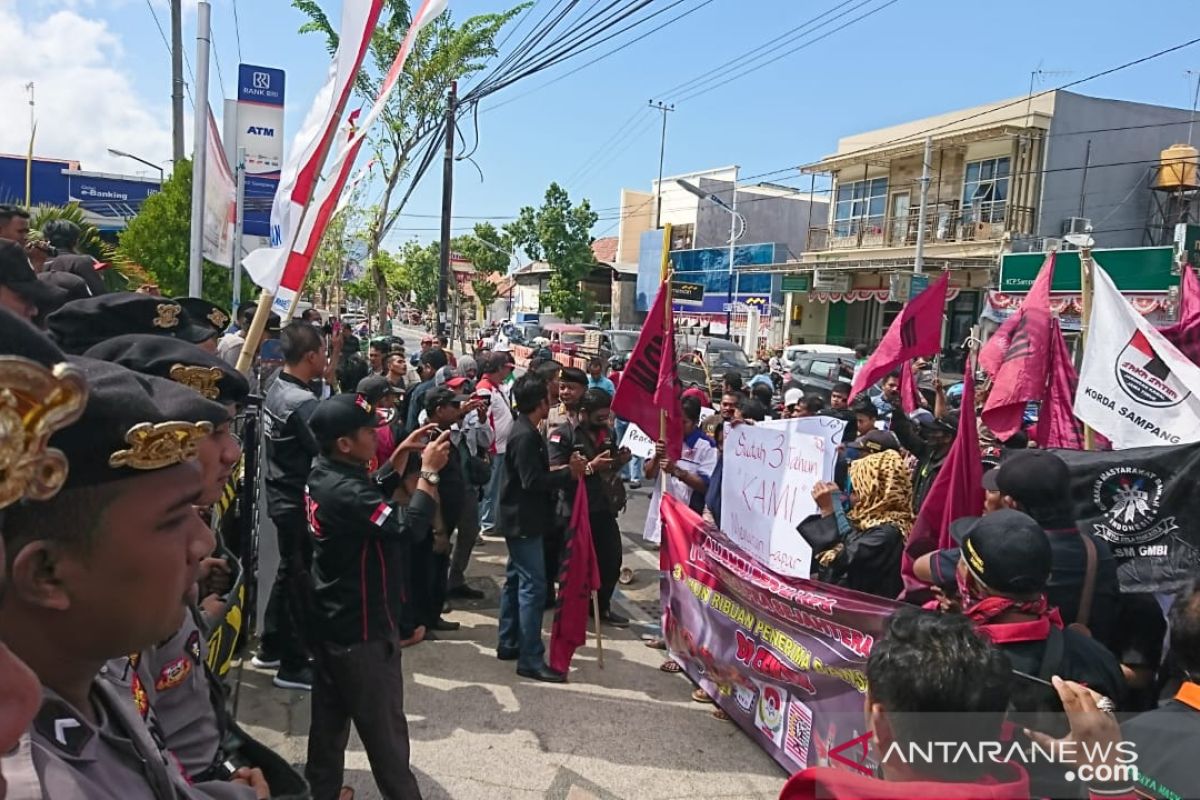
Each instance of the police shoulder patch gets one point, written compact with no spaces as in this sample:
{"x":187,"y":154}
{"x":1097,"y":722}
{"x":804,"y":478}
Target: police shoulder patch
{"x":140,"y":699}
{"x":173,"y":674}
{"x":193,"y":646}
{"x":60,"y":726}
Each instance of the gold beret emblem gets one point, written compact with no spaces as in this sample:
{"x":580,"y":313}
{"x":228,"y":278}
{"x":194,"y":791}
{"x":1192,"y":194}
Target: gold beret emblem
{"x":218,"y":318}
{"x":203,"y":379}
{"x":155,"y":446}
{"x":34,"y":403}
{"x":168,"y":315}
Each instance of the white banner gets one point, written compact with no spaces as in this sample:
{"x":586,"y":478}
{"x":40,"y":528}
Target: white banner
{"x":767,"y":479}
{"x":1135,"y":387}
{"x":638,"y":442}
{"x":220,"y":202}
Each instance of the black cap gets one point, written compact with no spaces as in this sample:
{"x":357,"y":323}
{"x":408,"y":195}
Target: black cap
{"x":1006,"y":550}
{"x":42,"y":395}
{"x":374,"y":387}
{"x":947,"y":423}
{"x":342,"y":415}
{"x":873,"y":442}
{"x":178,"y":361}
{"x":436,"y":398}
{"x":203,"y":312}
{"x":82,"y":324}
{"x":132,"y":424}
{"x":17,"y":275}
{"x":1034,"y":478}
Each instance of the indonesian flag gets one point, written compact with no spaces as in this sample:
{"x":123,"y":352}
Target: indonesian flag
{"x":578,"y":577}
{"x":648,"y":385}
{"x":916,"y":332}
{"x":1135,"y":387}
{"x":1017,"y":357}
{"x":301,"y":172}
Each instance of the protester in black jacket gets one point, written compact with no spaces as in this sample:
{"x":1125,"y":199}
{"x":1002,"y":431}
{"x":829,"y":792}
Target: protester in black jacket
{"x":359,"y":540}
{"x":526,"y":513}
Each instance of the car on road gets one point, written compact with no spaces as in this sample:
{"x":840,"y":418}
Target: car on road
{"x":793,"y":352}
{"x":707,"y":364}
{"x":816,"y":373}
{"x":618,"y":343}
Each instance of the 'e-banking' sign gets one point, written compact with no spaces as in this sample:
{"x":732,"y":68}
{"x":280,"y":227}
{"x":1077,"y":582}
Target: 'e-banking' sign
{"x":260,"y":85}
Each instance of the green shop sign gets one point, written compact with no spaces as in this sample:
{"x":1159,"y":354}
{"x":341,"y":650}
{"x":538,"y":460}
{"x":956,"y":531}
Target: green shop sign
{"x":795,"y":283}
{"x":1134,"y":269}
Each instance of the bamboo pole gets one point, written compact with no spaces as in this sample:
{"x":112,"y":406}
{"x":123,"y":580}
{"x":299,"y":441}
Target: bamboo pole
{"x":664,"y":268}
{"x":599,"y":639}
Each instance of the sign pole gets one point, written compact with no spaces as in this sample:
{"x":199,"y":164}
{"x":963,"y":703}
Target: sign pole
{"x":199,"y":151}
{"x":238,"y":223}
{"x":664,"y":268}
{"x":1085,"y":285}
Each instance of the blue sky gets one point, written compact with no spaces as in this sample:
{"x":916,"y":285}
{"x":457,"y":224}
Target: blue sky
{"x":913,"y":58}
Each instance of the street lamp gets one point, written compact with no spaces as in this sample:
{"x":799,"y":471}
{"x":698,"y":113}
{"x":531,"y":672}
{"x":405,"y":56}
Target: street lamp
{"x":734,"y":235}
{"x":151,"y":164}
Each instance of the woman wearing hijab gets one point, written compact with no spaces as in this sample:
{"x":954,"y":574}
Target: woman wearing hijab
{"x":860,"y":548}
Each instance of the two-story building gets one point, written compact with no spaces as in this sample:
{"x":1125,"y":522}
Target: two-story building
{"x":1012,"y":176}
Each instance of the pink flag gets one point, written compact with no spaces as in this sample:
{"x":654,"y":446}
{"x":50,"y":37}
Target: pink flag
{"x":916,"y":332}
{"x":648,"y":384}
{"x":1017,"y":358}
{"x":957,"y":491}
{"x":1057,"y":425}
{"x":578,"y":577}
{"x":910,"y":398}
{"x":1185,"y":334}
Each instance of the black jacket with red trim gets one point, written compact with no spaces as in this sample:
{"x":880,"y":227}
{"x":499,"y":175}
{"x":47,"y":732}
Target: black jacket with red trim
{"x":360,"y":540}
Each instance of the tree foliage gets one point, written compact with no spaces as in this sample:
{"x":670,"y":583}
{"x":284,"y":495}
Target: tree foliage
{"x":342,"y":249}
{"x":157,"y":240}
{"x":120,"y":275}
{"x":559,"y":233}
{"x":414,"y":116}
{"x":414,"y":271}
{"x":488,"y":250}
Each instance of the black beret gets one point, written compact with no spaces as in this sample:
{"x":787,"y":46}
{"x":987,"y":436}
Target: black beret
{"x":131,"y":424}
{"x":68,"y":285}
{"x":178,"y":361}
{"x":81,"y":324}
{"x":203,"y":312}
{"x":41,"y":395}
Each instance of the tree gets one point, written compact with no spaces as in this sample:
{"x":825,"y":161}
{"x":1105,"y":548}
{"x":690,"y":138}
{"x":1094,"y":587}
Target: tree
{"x":488,"y":250}
{"x":120,"y":274}
{"x":559,"y":234}
{"x":342,"y":247}
{"x":414,"y":271}
{"x":157,"y":239}
{"x":414,"y":116}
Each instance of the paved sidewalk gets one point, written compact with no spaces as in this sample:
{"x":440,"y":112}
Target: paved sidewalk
{"x":627,"y":731}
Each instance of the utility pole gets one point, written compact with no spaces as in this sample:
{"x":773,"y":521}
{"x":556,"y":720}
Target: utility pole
{"x":662,"y":152}
{"x":29,"y":154}
{"x":447,"y":208}
{"x":177,"y":80}
{"x":199,"y":151}
{"x":239,"y":220}
{"x":926,"y":178}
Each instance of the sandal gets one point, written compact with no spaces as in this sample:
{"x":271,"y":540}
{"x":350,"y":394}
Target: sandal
{"x":670,"y":666}
{"x":656,"y":643}
{"x":701,"y":696}
{"x":719,"y":713}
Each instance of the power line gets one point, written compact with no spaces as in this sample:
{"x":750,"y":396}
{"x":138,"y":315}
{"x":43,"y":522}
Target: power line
{"x":166,"y":43}
{"x":237,"y":29}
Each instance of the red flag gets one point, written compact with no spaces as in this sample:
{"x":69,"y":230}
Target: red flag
{"x":916,"y":332}
{"x":957,"y":491}
{"x":910,"y":398}
{"x":648,"y":384}
{"x":578,"y":577}
{"x":1185,"y":334}
{"x":1057,"y":426}
{"x":1017,"y":358}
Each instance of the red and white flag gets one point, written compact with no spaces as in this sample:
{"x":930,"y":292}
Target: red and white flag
{"x":1017,"y":358}
{"x":916,"y":332}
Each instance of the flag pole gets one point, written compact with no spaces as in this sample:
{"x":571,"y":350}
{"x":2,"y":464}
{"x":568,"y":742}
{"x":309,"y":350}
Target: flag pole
{"x":599,"y":641}
{"x":664,"y":268}
{"x":1086,"y":266}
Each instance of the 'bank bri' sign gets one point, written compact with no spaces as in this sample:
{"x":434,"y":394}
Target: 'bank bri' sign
{"x":260,"y":132}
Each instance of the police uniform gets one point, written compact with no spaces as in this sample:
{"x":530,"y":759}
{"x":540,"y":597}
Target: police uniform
{"x":130,"y":424}
{"x":204,"y":313}
{"x":359,"y":540}
{"x":81,"y":324}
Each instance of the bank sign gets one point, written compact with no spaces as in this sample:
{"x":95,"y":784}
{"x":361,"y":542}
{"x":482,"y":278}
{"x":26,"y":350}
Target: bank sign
{"x":260,"y":132}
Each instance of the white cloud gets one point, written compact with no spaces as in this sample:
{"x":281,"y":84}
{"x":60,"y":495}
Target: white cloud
{"x":86,"y":102}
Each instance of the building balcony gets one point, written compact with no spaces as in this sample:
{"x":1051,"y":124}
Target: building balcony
{"x":945,"y":223}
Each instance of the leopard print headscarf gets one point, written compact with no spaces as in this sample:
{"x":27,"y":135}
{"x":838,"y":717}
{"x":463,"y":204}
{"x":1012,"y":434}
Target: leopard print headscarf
{"x":883,"y":492}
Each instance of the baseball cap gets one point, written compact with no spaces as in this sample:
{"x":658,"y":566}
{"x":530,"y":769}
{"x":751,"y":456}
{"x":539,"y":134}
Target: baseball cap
{"x":1006,"y":550}
{"x":947,"y":423}
{"x":374,"y":387}
{"x":441,"y":397}
{"x":1034,"y":478}
{"x":876,"y":442}
{"x":17,"y":275}
{"x":342,"y":415}
{"x":792,"y":396}
{"x":82,"y":324}
{"x":176,"y":361}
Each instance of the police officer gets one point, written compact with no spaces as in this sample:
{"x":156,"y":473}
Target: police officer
{"x":290,"y":450}
{"x":81,"y":324}
{"x":206,"y":314}
{"x":359,"y":539}
{"x":100,"y":570}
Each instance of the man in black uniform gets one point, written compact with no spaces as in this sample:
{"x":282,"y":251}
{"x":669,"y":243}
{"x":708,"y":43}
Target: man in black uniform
{"x":592,"y":438}
{"x":359,"y":539}
{"x":290,"y":450}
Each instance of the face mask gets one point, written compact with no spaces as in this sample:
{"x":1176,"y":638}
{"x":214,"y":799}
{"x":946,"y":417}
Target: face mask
{"x":966,"y":594}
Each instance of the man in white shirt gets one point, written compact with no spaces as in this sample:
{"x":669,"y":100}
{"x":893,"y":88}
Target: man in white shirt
{"x":495,"y":368}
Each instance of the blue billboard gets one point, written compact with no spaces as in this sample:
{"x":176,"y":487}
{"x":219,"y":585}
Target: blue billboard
{"x":709,"y":267}
{"x":110,"y":199}
{"x":260,"y":85}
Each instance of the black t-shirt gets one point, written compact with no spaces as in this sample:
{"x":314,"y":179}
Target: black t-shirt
{"x":1166,"y":741}
{"x":1084,"y":660}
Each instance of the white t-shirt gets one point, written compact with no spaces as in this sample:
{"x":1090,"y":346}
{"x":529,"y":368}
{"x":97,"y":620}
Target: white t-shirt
{"x":499,"y":414}
{"x":699,"y":458}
